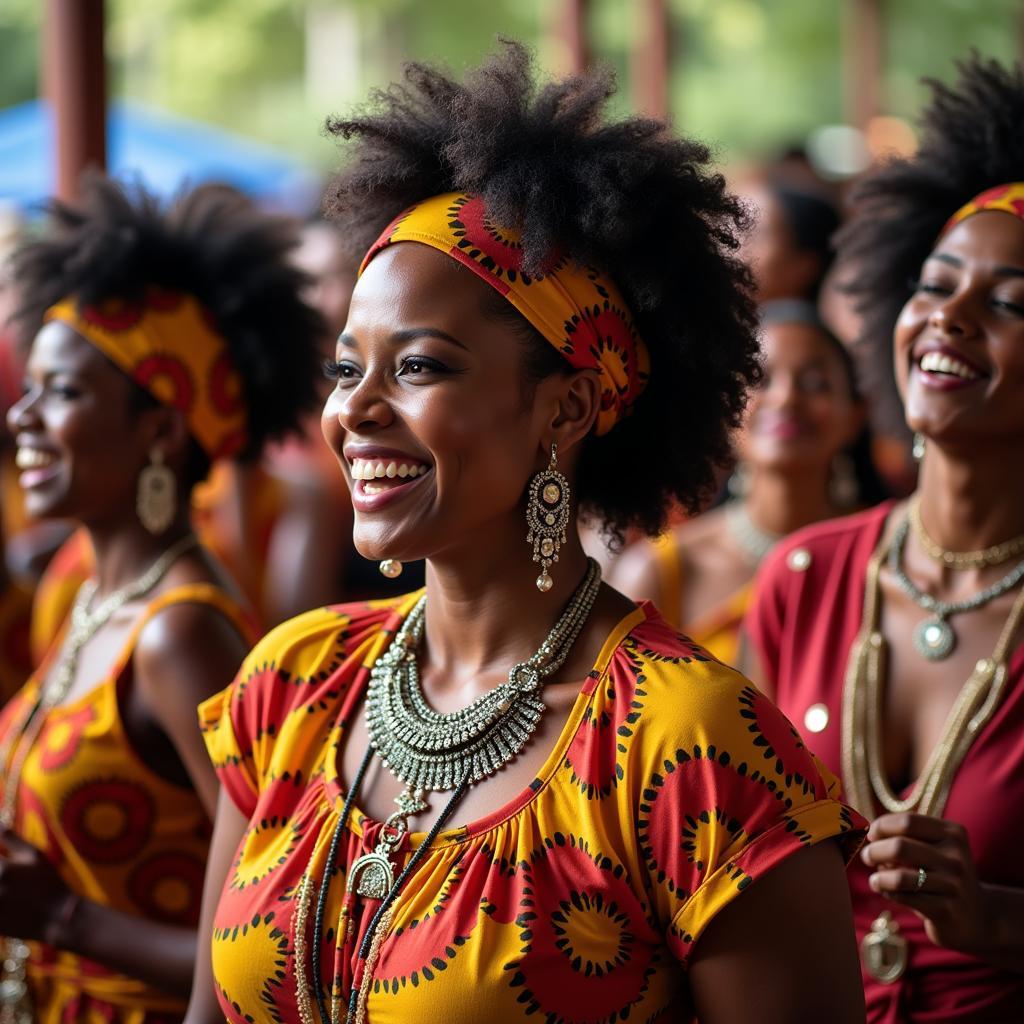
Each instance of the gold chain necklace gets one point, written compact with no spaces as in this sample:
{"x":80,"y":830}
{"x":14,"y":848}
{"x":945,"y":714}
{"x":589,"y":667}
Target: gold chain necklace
{"x":997,"y":554}
{"x":884,"y":951}
{"x":15,"y":1005}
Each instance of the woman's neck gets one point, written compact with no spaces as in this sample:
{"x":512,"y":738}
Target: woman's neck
{"x":484,"y":611}
{"x":124,"y":552}
{"x":971,"y":500}
{"x":783,"y":502}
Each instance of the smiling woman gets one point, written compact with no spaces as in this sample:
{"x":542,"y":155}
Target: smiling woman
{"x":518,"y":793}
{"x":917,"y":671}
{"x":158,"y":344}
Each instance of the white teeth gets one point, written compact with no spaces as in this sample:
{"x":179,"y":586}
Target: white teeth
{"x":33,"y":458}
{"x":374,"y":469}
{"x":939,"y":362}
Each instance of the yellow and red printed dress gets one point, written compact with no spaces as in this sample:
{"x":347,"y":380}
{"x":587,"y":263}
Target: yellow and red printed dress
{"x":673,"y":786}
{"x":119,"y":834}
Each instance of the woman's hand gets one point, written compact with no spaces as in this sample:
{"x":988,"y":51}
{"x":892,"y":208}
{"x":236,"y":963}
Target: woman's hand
{"x":34,"y":901}
{"x":926,"y":864}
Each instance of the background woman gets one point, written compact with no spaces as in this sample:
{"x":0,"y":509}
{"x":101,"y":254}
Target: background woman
{"x":796,"y":466}
{"x":162,"y":339}
{"x":899,"y":630}
{"x":595,"y":799}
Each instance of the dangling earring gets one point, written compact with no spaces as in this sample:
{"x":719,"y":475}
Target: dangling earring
{"x":156,"y":499}
{"x":547,"y":517}
{"x":918,"y":450}
{"x":842,"y":485}
{"x":391,"y":567}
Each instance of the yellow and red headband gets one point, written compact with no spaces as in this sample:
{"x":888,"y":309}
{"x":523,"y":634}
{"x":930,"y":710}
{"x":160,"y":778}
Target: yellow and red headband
{"x":1008,"y":198}
{"x":577,"y":309}
{"x":169,"y":344}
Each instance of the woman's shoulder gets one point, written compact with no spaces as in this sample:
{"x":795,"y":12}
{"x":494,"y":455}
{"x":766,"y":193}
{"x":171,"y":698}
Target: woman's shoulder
{"x":828,"y":540}
{"x":330,"y":633}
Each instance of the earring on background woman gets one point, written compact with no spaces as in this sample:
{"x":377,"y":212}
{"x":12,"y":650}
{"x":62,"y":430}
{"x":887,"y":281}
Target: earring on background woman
{"x":547,"y":517}
{"x":843,"y":487}
{"x":918,"y":450}
{"x":156,"y":500}
{"x":391,"y":567}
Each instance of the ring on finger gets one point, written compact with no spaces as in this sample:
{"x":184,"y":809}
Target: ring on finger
{"x":922,"y":877}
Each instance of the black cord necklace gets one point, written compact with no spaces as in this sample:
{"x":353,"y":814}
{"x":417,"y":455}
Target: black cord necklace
{"x":330,"y":869}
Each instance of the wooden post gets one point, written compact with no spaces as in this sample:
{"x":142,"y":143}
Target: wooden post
{"x":74,"y":82}
{"x":650,"y":59}
{"x":567,"y":35}
{"x":864,"y":54}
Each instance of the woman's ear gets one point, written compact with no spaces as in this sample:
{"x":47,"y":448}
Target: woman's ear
{"x":165,"y":428}
{"x":577,"y":400}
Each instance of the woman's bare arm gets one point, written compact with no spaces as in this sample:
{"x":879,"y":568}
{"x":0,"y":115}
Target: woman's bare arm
{"x":785,"y":950}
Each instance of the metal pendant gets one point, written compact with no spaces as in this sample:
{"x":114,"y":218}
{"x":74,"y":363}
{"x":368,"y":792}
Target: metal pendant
{"x":883,"y":951}
{"x":371,"y":876}
{"x":934,"y":639}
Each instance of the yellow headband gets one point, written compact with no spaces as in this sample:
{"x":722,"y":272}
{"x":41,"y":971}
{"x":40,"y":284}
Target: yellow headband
{"x":169,"y":345}
{"x":1009,"y":198}
{"x":577,"y":309}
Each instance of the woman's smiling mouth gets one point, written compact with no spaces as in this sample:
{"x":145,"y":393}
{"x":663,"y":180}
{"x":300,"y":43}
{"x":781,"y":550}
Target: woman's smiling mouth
{"x":378,"y":480}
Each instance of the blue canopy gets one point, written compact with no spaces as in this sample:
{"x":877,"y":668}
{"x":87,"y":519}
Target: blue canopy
{"x":164,"y":152}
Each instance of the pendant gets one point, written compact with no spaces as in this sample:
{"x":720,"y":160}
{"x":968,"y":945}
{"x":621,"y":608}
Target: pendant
{"x":372,"y":876}
{"x":883,"y":950}
{"x":934,"y":639}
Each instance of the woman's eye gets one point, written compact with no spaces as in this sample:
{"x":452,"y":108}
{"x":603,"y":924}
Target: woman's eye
{"x":413,"y":365}
{"x":1014,"y":308}
{"x":813,"y":383}
{"x":931,"y":287}
{"x":338,"y":370}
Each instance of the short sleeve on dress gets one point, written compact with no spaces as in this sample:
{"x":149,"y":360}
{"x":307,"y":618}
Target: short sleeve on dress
{"x":233,"y":768}
{"x":725,"y":788}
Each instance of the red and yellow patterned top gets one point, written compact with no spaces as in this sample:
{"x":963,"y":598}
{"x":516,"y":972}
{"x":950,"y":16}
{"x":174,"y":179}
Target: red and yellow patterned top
{"x":119,"y":834}
{"x":673,"y":786}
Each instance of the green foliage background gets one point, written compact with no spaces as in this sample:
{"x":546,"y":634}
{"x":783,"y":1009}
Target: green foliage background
{"x":749,"y":74}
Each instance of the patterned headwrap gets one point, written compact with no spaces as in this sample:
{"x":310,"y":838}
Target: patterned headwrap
{"x":577,"y":309}
{"x":169,"y":344}
{"x":1009,"y":198}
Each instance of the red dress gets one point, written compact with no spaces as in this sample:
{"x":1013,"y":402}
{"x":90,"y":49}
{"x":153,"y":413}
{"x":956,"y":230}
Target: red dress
{"x":802,"y":623}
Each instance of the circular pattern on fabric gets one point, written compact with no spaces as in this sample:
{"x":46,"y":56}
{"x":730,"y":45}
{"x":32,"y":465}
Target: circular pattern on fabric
{"x":700,"y":808}
{"x":225,"y":386}
{"x":61,"y":738}
{"x":242,"y":952}
{"x":266,"y":845}
{"x":114,"y":314}
{"x":587,"y":946}
{"x":497,"y":250}
{"x":605,"y":730}
{"x":168,"y":379}
{"x":422,"y":948}
{"x":168,"y":887}
{"x":108,"y":821}
{"x":783,"y":750}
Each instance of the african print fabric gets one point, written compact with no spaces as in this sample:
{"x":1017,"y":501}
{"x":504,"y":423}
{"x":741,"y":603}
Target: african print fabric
{"x":118,"y":833}
{"x":1008,"y":198}
{"x":673,"y":787}
{"x":577,"y":308}
{"x":168,"y":343}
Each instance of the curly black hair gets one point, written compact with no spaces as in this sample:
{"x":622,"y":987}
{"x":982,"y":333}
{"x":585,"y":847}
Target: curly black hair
{"x":971,"y":139}
{"x":628,"y":197}
{"x":211,"y":242}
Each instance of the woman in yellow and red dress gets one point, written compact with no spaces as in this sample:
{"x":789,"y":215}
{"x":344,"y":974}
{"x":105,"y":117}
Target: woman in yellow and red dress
{"x":159,"y":339}
{"x":515,"y":794}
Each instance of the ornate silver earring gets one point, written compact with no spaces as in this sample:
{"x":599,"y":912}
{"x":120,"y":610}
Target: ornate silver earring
{"x":918,"y":450}
{"x":391,"y":567}
{"x":156,"y":499}
{"x":547,"y":518}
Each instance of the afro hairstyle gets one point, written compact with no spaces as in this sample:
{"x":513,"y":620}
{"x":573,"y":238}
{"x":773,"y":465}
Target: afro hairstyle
{"x":629,"y":197}
{"x":971,"y":140}
{"x":211,"y":242}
